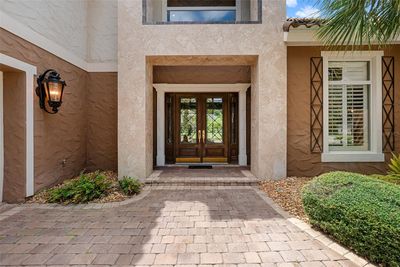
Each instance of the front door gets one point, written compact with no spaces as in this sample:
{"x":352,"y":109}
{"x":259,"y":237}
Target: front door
{"x":201,"y":133}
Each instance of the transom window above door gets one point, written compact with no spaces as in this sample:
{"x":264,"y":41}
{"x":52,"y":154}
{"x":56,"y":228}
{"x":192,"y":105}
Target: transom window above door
{"x":202,"y":11}
{"x":352,"y":107}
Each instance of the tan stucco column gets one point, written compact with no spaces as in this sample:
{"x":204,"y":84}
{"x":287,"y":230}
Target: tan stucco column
{"x":135,"y":118}
{"x":268,"y":115}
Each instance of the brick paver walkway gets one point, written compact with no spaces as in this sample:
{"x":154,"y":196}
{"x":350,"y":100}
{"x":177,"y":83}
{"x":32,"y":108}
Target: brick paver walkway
{"x":177,"y":227}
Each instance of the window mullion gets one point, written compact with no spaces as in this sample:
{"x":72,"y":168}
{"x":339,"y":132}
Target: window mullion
{"x":367,"y":118}
{"x":344,"y":112}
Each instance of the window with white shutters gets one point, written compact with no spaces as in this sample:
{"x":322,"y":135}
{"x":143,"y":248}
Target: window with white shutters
{"x":348,"y":105}
{"x":352,"y":106}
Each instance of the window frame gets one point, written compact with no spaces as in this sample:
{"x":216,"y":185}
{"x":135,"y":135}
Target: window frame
{"x":164,"y":9}
{"x":374,"y":154}
{"x":200,"y":8}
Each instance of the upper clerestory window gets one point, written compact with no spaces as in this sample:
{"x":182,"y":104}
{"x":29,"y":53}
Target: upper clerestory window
{"x":201,"y":11}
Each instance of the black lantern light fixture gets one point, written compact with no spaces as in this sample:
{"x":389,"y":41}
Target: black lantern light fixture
{"x":50,"y":89}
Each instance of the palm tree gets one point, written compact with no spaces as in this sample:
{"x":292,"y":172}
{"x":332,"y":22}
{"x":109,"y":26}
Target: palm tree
{"x":355,"y":23}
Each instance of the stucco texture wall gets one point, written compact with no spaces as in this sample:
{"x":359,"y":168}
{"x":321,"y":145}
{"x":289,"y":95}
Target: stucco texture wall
{"x":62,"y":21}
{"x":202,"y":74}
{"x":201,"y":45}
{"x":102,"y":121}
{"x":102,"y":31}
{"x":301,"y":162}
{"x":64,"y":137}
{"x":14,"y":94}
{"x":87,"y":28}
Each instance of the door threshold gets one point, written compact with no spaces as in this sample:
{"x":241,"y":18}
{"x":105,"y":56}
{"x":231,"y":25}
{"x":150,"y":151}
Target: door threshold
{"x":214,"y":165}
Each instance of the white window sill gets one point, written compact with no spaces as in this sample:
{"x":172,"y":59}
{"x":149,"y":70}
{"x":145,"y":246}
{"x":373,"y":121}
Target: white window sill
{"x":340,"y":156}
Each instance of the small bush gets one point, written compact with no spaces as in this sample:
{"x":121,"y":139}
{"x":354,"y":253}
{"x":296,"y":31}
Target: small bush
{"x":361,"y":212}
{"x":394,"y":165}
{"x":390,"y":178}
{"x":130,"y":186}
{"x":81,"y":190}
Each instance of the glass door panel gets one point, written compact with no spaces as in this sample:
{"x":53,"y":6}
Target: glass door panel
{"x":188,"y":145}
{"x":215,"y":120}
{"x":188,"y":120}
{"x":214,"y":128}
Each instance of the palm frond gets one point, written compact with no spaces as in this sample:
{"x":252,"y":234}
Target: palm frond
{"x":355,"y":23}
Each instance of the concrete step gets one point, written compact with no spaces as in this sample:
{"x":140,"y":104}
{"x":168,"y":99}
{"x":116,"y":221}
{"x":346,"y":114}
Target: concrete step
{"x":203,"y":181}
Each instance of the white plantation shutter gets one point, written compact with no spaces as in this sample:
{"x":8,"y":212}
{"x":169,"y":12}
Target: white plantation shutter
{"x":348,"y":98}
{"x":357,"y":116}
{"x":336,"y":116}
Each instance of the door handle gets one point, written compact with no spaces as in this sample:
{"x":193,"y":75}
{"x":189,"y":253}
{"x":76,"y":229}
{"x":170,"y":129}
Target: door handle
{"x":199,"y":136}
{"x":204,"y":136}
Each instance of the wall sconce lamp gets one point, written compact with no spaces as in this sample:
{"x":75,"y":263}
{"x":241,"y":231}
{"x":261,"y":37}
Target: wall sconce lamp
{"x":50,"y":88}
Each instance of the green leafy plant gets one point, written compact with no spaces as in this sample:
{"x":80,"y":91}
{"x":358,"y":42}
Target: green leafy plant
{"x":82,"y":190}
{"x":354,"y":23}
{"x":394,"y":165}
{"x":361,"y":212}
{"x":130,"y":186}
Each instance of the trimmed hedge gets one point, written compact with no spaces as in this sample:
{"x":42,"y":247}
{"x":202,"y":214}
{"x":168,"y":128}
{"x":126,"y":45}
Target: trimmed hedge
{"x":360,"y":212}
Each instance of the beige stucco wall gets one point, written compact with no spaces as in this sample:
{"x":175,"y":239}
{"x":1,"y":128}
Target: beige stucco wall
{"x":62,"y":21}
{"x":264,"y":42}
{"x":86,"y":28}
{"x":102,"y":31}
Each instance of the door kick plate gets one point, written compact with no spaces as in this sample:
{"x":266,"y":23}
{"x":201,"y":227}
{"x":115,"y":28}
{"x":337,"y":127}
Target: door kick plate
{"x":188,"y":160}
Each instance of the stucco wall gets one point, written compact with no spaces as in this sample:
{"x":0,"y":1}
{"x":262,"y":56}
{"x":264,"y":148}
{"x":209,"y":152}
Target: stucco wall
{"x":102,"y":121}
{"x":61,"y":136}
{"x":86,"y":120}
{"x":263,"y":41}
{"x":301,"y":162}
{"x":201,"y":74}
{"x":62,"y":21}
{"x":87,"y":28}
{"x":14,"y":93}
{"x":102,"y":31}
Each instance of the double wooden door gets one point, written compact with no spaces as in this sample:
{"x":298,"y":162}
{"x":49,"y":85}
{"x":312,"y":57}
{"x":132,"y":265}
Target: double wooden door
{"x":201,"y":128}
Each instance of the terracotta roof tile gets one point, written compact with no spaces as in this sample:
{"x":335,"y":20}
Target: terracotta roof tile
{"x":297,"y":22}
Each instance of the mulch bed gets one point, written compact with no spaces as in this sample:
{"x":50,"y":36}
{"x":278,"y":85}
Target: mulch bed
{"x":287,"y":194}
{"x":115,"y":193}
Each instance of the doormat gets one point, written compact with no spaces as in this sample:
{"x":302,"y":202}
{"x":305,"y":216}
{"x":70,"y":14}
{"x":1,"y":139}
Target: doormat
{"x":200,"y":166}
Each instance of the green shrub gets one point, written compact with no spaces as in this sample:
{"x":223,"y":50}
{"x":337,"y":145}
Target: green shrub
{"x":361,"y":212}
{"x":81,"y":190}
{"x":390,"y":178}
{"x":130,"y":186}
{"x":394,"y":165}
